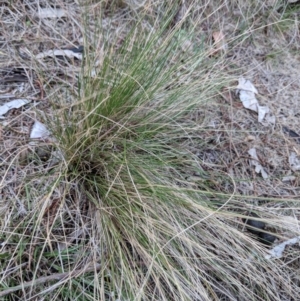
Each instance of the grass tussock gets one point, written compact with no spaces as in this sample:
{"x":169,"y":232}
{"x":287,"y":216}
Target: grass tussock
{"x":127,"y":211}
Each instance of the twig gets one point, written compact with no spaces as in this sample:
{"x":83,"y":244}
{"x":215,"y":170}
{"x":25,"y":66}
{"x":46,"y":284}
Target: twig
{"x":41,"y":280}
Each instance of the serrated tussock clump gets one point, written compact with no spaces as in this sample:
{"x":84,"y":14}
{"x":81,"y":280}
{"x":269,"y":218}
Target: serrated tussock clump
{"x":128,"y":211}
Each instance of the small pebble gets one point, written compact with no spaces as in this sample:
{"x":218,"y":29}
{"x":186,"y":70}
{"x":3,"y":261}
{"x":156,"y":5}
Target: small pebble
{"x":254,"y":226}
{"x":266,"y":238}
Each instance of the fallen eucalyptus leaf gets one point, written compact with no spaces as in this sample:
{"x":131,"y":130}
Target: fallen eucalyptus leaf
{"x":51,"y":13}
{"x":247,"y":92}
{"x":14,"y":104}
{"x":39,"y":131}
{"x":219,"y":43}
{"x":255,"y":162}
{"x":288,"y":178}
{"x":58,"y":52}
{"x":294,"y":161}
{"x":277,"y":251}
